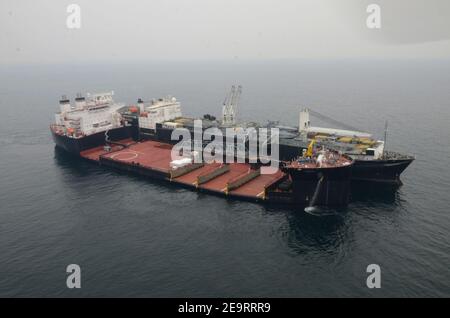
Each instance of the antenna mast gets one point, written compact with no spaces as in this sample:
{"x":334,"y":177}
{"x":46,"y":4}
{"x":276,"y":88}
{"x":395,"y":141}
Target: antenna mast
{"x":385,"y":135}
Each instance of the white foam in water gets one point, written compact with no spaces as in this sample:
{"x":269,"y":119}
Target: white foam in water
{"x":320,"y":211}
{"x":310,"y":209}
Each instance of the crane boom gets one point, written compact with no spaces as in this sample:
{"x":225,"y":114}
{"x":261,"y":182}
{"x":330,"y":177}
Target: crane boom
{"x":230,"y":105}
{"x":333,"y":121}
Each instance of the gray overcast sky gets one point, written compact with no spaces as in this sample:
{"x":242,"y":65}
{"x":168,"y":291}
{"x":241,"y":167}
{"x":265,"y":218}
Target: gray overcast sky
{"x":125,"y":30}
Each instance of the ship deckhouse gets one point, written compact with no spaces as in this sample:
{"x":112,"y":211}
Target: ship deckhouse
{"x":88,"y":115}
{"x":158,"y":111}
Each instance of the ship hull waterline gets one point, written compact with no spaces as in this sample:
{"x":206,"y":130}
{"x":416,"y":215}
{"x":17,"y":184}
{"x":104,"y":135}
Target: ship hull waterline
{"x":376,"y":170}
{"x":300,"y":195}
{"x":380,"y":171}
{"x":77,"y":145}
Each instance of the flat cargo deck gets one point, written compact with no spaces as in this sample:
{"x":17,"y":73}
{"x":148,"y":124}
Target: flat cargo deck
{"x":94,"y":154}
{"x":257,"y":186}
{"x":190,"y":178}
{"x":149,"y":154}
{"x":219,"y":183}
{"x":142,"y":157}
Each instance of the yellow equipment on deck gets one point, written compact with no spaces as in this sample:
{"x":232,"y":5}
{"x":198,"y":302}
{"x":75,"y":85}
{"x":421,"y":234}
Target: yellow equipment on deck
{"x":309,"y":152}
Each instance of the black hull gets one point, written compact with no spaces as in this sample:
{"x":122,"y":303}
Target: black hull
{"x":305,"y":190}
{"x":75,"y":146}
{"x":321,"y":187}
{"x":383,"y":171}
{"x":386,"y":171}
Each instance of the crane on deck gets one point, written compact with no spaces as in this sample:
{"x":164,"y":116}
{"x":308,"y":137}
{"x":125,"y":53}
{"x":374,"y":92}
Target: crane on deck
{"x":230,"y":106}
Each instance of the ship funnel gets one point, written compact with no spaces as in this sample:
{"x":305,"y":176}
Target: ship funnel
{"x":140,"y":104}
{"x":64,"y":99}
{"x":64,"y":104}
{"x":80,"y":101}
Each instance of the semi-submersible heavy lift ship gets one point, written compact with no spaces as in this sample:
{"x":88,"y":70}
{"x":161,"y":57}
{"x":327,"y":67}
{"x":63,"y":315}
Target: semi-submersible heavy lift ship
{"x":314,"y":169}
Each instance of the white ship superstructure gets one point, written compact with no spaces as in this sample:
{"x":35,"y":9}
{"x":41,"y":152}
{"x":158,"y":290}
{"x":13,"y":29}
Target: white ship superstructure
{"x":88,"y":115}
{"x":158,"y":111}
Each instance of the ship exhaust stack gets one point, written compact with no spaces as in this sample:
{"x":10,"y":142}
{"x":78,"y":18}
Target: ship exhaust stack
{"x":80,"y":101}
{"x":140,"y":104}
{"x":64,"y":104}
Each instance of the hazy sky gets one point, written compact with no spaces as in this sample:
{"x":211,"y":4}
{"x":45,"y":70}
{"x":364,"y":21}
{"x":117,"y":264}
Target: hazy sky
{"x":126,"y":30}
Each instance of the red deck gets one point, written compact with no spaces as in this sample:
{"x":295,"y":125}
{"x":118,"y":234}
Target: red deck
{"x":148,"y":154}
{"x":95,"y":153}
{"x":157,"y":156}
{"x":191,"y":177}
{"x":219,"y":183}
{"x":255,"y":187}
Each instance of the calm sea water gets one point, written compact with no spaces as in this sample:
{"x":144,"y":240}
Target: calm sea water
{"x":136,"y":237}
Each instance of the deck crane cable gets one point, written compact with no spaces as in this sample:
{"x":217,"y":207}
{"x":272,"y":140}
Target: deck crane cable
{"x":333,"y":121}
{"x":230,"y":105}
{"x":227,"y":100}
{"x":227,"y":105}
{"x":236,"y":97}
